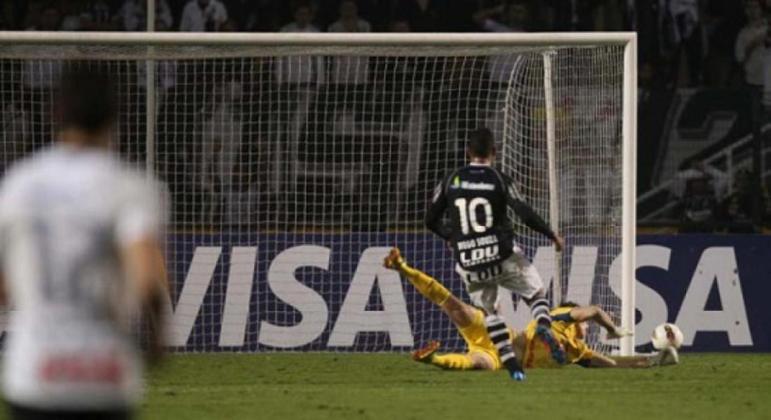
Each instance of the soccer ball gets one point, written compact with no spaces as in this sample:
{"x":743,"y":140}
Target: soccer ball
{"x":667,"y":335}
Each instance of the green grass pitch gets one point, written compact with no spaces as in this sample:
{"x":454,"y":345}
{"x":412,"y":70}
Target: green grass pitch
{"x":391,"y":386}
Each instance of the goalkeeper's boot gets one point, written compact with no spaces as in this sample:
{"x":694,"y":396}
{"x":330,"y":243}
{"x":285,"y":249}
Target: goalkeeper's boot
{"x":557,"y":351}
{"x":424,"y":354}
{"x":394,"y":260}
{"x":666,"y":357}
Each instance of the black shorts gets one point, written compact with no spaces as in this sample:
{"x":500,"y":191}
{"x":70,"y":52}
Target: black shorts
{"x":17,"y":412}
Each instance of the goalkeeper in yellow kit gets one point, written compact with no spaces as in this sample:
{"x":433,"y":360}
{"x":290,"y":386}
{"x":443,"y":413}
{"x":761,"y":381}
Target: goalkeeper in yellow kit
{"x":569,"y":328}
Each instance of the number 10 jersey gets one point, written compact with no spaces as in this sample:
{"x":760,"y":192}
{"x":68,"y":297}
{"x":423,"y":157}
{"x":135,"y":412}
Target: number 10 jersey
{"x":476,"y":198}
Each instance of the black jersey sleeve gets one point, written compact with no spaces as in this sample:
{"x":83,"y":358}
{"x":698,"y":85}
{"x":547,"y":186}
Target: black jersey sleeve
{"x":526,"y":213}
{"x":435,"y":214}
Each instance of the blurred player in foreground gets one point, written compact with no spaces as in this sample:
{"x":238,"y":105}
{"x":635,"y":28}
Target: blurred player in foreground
{"x":477,"y":199}
{"x":569,"y":328}
{"x":80,"y":252}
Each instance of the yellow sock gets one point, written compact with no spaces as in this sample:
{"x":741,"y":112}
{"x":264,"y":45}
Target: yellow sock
{"x":426,"y":285}
{"x":452,"y":361}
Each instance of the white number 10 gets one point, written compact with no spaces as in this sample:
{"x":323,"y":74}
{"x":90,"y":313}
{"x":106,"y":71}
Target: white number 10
{"x":468,"y":214}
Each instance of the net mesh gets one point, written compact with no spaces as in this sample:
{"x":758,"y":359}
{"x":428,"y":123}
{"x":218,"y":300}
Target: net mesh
{"x":587,"y":90}
{"x":291,"y":171}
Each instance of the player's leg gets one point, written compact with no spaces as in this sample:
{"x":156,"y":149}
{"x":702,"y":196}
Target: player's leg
{"x":501,"y":337}
{"x":485,"y":296}
{"x":666,"y":357}
{"x":461,"y":314}
{"x":521,"y":277}
{"x":423,"y":283}
{"x":453,"y":361}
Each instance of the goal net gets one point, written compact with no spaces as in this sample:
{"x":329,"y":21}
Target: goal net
{"x":293,"y":163}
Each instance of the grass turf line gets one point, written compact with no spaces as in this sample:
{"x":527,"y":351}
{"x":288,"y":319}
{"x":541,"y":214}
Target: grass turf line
{"x":390,"y":386}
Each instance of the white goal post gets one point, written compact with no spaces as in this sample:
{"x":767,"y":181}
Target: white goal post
{"x":329,"y":144}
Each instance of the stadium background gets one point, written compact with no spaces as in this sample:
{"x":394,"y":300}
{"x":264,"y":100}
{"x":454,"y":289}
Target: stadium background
{"x":697,"y":109}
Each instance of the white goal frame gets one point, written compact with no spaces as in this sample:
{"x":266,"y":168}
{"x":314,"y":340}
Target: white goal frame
{"x":468,"y":40}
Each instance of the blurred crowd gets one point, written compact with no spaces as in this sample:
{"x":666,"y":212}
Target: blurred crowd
{"x":320,"y":15}
{"x":682,"y":42}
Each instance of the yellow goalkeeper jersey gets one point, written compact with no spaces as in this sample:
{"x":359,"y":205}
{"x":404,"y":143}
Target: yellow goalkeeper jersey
{"x":537,"y":353}
{"x":565,"y":331}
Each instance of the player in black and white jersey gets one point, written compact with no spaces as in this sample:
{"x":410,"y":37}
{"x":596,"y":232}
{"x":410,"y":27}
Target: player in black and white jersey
{"x":79,"y":254}
{"x":481,"y":234}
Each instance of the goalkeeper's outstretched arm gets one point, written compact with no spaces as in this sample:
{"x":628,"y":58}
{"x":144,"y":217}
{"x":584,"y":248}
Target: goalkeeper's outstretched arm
{"x":663,"y":358}
{"x":596,"y":314}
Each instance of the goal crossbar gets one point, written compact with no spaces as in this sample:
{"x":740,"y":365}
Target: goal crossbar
{"x":323,"y":39}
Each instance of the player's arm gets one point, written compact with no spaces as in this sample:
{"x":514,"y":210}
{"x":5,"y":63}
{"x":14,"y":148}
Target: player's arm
{"x":596,"y":314}
{"x":139,"y":229}
{"x":435,"y":214}
{"x":145,"y":269}
{"x":599,"y":360}
{"x":529,"y":217}
{"x":3,"y":295}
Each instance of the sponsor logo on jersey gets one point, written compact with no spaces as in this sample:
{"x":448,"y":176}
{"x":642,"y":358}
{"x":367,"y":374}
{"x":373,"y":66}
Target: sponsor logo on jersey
{"x":479,"y":186}
{"x":455,"y":183}
{"x":473,"y":252}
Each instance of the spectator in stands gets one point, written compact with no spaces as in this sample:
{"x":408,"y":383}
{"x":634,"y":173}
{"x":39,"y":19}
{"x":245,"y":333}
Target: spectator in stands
{"x":571,"y":15}
{"x":249,"y":15}
{"x":296,"y":76}
{"x":133,"y":15}
{"x":49,"y":19}
{"x":203,"y":16}
{"x":681,"y":34}
{"x":349,"y":70}
{"x":349,"y":20}
{"x":300,"y":70}
{"x":98,"y":15}
{"x":303,"y":20}
{"x":6,"y":19}
{"x":611,"y":15}
{"x":70,"y":15}
{"x":399,"y":25}
{"x":221,"y":139}
{"x":699,"y":190}
{"x":766,"y":94}
{"x":32,"y":14}
{"x":422,"y":15}
{"x":721,"y":21}
{"x":750,"y":48}
{"x":738,"y":207}
{"x":508,"y":17}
